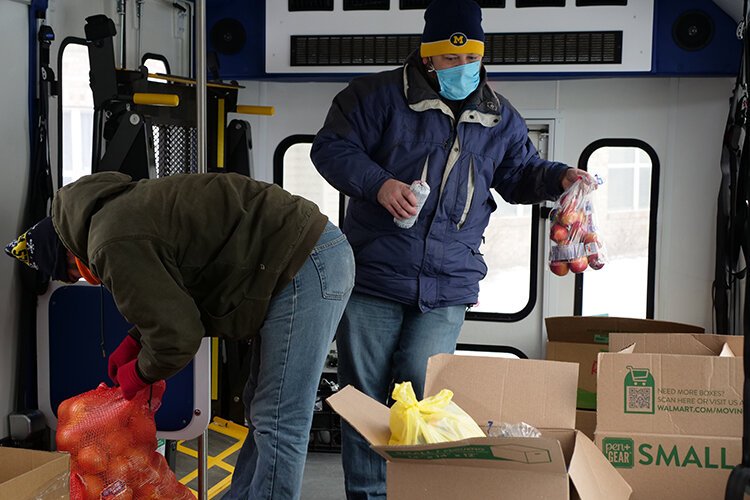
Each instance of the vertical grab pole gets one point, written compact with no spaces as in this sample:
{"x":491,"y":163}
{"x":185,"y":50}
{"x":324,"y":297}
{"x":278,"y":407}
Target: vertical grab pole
{"x":203,"y":465}
{"x":200,"y":86}
{"x":200,"y":82}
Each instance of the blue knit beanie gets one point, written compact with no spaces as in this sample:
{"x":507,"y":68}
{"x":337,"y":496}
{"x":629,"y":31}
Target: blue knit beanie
{"x":40,"y":248}
{"x":452,"y":27}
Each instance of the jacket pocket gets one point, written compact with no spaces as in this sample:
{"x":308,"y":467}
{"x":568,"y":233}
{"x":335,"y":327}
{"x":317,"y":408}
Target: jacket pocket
{"x":476,"y":261}
{"x":470,"y":189}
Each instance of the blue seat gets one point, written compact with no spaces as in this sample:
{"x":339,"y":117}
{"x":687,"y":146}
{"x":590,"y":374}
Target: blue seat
{"x":78,"y":326}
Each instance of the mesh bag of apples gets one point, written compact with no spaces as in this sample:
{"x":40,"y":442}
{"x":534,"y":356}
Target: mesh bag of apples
{"x":575,"y":244}
{"x":112,"y":446}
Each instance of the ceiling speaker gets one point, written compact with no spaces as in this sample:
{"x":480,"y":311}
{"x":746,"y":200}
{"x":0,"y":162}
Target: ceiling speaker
{"x":693,"y":30}
{"x":228,"y":36}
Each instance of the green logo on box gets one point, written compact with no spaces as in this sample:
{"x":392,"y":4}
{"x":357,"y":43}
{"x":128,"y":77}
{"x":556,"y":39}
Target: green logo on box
{"x":619,"y":451}
{"x":600,"y":338}
{"x":639,"y":391}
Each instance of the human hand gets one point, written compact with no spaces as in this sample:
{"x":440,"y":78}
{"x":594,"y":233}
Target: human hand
{"x":129,"y":380}
{"x":397,"y":198}
{"x":571,"y":175}
{"x":127,"y":351}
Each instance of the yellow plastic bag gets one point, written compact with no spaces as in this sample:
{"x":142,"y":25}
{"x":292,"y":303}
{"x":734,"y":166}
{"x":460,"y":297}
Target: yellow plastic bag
{"x":433,"y":420}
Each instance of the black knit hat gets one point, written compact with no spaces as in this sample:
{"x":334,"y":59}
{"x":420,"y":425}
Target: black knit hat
{"x":452,"y":27}
{"x":40,"y":248}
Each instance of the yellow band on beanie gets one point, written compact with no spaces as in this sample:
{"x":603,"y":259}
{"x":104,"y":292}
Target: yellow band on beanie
{"x":441,"y":47}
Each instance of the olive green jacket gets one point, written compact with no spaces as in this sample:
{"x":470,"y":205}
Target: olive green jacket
{"x":186,"y":256}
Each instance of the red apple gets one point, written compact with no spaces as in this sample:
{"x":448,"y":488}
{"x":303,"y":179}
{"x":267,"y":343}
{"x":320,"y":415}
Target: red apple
{"x":571,"y":216}
{"x":576,"y":232}
{"x":559,"y":267}
{"x":590,"y":237}
{"x":579,"y":264}
{"x":558,"y":234}
{"x":594,"y":262}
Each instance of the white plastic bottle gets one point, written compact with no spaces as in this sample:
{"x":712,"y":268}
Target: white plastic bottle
{"x":421,"y":190}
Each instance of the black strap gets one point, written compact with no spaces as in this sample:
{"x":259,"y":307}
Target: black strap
{"x":39,"y":195}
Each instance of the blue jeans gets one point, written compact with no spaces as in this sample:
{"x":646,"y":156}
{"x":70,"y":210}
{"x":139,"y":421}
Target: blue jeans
{"x":380,"y":342}
{"x":287,"y":362}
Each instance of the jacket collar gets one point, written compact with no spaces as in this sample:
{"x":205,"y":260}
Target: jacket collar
{"x":420,"y":96}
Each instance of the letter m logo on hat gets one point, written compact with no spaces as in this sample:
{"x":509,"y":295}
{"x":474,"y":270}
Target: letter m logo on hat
{"x":458,"y":39}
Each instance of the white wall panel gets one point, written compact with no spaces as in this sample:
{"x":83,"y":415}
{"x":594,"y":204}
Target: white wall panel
{"x":14,"y":144}
{"x":635,"y":20}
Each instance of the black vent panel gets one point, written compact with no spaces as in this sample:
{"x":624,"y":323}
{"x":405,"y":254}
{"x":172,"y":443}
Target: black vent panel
{"x":353,"y":50}
{"x":413,"y":4}
{"x":367,"y":4}
{"x":594,"y":47}
{"x":598,"y":47}
{"x":310,"y":5}
{"x":422,"y":4}
{"x":588,"y":3}
{"x":540,"y":3}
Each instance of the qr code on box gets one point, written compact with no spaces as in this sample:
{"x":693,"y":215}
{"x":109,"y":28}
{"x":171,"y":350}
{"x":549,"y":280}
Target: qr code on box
{"x":639,"y":399}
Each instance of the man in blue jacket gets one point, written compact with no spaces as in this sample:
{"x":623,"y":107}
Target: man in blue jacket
{"x":435,"y":120}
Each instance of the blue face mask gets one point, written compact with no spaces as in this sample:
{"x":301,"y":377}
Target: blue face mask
{"x":458,"y":82}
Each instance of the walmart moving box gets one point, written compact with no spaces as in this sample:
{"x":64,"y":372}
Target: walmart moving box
{"x":34,"y":475}
{"x":670,"y":412}
{"x":540,"y":393}
{"x":580,"y":339}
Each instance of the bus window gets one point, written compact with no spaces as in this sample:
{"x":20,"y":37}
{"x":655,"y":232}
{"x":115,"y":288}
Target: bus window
{"x":77,"y":105}
{"x":156,"y":63}
{"x":507,"y":253}
{"x":295,"y":172}
{"x":625,"y":213}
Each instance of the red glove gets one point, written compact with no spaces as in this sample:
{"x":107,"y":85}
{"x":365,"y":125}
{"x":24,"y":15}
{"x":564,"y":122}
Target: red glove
{"x":129,"y":380}
{"x":127,"y":351}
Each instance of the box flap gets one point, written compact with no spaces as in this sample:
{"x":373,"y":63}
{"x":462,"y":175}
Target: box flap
{"x":627,"y":350}
{"x":540,"y":393}
{"x":595,"y":329}
{"x":521,"y":454}
{"x":593,"y":476}
{"x":675,"y":343}
{"x":15,"y":462}
{"x":33,"y":474}
{"x":726,"y":352}
{"x":367,"y":416}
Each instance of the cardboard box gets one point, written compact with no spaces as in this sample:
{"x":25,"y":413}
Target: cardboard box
{"x":580,"y":339}
{"x":32,"y":474}
{"x":540,"y":393}
{"x":670,"y":412}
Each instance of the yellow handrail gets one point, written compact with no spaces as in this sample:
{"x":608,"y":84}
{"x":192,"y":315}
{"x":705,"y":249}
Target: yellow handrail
{"x":256,"y":110}
{"x":170,"y":100}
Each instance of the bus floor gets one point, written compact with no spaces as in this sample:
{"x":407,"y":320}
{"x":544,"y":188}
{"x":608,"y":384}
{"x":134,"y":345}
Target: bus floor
{"x":323,"y":478}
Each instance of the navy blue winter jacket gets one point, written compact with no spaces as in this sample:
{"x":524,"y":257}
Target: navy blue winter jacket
{"x":394,"y":125}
